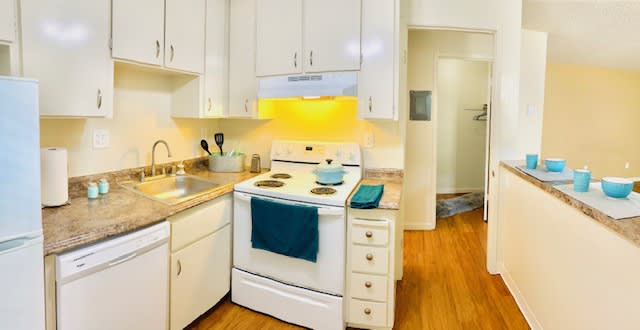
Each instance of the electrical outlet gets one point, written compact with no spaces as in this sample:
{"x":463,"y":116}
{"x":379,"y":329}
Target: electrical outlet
{"x":369,"y":140}
{"x":531,"y":109}
{"x":101,"y":139}
{"x":626,"y":165}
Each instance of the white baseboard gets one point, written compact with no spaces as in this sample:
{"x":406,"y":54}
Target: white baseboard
{"x":419,"y":226}
{"x":458,"y":190}
{"x":520,"y":301}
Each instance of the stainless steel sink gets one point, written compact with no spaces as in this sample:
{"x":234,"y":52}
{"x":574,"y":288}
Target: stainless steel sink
{"x":172,"y":189}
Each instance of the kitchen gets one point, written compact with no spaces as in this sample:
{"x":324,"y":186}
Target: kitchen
{"x":185,"y":72}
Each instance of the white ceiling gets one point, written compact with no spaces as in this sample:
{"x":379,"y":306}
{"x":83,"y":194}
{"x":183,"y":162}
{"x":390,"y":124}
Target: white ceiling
{"x":591,"y":32}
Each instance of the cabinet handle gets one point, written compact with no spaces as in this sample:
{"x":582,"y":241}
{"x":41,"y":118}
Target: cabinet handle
{"x":157,"y":48}
{"x":295,"y":60}
{"x":209,"y":104}
{"x":369,"y":256}
{"x":311,"y":58}
{"x":367,"y":284}
{"x":246,"y":101}
{"x":367,"y":311}
{"x":99,"y":100}
{"x":370,"y":103}
{"x":171,"y":56}
{"x":179,"y":268}
{"x":369,"y":234}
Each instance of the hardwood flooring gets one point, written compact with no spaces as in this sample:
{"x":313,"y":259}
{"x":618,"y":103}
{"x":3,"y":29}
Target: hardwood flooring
{"x":445,"y":285}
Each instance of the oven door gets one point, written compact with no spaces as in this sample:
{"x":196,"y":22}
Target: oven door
{"x":325,"y":275}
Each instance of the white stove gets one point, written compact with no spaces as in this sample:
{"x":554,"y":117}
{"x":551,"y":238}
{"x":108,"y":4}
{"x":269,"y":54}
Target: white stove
{"x":295,"y":290}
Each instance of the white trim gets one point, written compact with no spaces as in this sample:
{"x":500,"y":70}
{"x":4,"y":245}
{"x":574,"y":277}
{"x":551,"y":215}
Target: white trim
{"x":419,"y":226}
{"x":459,"y":190}
{"x":520,"y":300}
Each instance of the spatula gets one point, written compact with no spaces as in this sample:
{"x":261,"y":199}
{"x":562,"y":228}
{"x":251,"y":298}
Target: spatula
{"x":219,"y":138}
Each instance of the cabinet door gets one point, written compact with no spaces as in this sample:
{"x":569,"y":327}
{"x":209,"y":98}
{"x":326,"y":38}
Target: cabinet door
{"x":7,"y":20}
{"x":331,"y":35}
{"x":279,"y":37}
{"x":243,"y":86}
{"x":184,"y":35}
{"x":200,"y":277}
{"x":376,"y":79}
{"x":65,"y":45}
{"x":138,"y":30}
{"x":216,"y":60}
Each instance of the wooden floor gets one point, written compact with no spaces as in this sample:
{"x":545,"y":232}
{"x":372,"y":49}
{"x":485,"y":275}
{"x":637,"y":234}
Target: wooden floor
{"x":445,"y":285}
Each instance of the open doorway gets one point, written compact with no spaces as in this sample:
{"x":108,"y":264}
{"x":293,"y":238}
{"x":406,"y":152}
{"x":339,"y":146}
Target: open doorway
{"x":464,"y":96}
{"x":427,"y":49}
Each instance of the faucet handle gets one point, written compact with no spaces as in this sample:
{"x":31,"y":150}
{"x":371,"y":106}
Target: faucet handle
{"x":142,"y":175}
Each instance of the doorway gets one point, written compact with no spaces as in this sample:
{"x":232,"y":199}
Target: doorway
{"x":463,"y":87}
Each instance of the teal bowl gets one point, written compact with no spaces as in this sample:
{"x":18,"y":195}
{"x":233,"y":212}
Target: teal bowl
{"x":555,"y":164}
{"x":616,"y":187}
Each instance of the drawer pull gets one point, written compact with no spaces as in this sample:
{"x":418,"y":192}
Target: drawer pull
{"x":367,"y":284}
{"x":369,"y":256}
{"x":369,"y":234}
{"x":367,"y":311}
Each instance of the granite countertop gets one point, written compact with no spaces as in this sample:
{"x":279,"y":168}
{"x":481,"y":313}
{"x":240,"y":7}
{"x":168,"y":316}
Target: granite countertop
{"x":86,"y":221}
{"x":392,"y":180}
{"x":629,"y":229}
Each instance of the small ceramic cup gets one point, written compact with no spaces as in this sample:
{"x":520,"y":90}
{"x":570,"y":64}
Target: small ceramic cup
{"x":103,"y":186}
{"x":581,"y":180}
{"x":532,"y":161}
{"x":92,"y":190}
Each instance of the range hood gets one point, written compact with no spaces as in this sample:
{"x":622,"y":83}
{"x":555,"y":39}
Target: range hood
{"x":311,"y":85}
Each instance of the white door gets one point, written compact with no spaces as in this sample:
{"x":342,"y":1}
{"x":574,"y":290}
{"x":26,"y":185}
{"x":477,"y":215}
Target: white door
{"x":279,"y":37}
{"x":65,"y":45}
{"x":200,"y":277}
{"x":376,"y":77}
{"x":138,"y":30}
{"x":331,"y":35}
{"x":243,"y":85}
{"x":7,"y":20}
{"x":216,"y":60}
{"x":184,"y":35}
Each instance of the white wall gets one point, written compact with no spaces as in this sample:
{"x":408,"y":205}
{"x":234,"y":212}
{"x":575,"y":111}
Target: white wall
{"x":532,"y":83}
{"x":141,"y":115}
{"x":461,"y":140}
{"x":420,"y":156}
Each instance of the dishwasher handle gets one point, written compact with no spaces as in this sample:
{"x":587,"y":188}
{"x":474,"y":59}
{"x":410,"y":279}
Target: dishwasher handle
{"x":122,"y":259}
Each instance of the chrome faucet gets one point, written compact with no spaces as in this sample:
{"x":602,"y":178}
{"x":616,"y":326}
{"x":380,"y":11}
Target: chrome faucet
{"x":153,"y":155}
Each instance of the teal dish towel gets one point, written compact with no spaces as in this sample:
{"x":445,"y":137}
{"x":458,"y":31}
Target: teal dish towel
{"x":367,"y":197}
{"x":287,"y":229}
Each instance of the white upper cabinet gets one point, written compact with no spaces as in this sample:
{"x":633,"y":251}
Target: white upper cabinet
{"x":377,"y":77}
{"x":331,"y":35}
{"x":65,"y":45}
{"x":243,"y":85}
{"x":216,"y":60}
{"x":7,"y":20}
{"x":138,"y":30}
{"x":279,"y":37}
{"x":184,"y":35}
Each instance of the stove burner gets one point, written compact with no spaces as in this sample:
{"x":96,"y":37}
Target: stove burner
{"x":269,"y":183}
{"x":323,"y":191}
{"x":281,"y":176}
{"x":330,"y":184}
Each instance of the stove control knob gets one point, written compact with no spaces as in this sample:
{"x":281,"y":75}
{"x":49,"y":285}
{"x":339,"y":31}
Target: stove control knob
{"x":339,"y":154}
{"x":289,"y":152}
{"x":352,"y":157}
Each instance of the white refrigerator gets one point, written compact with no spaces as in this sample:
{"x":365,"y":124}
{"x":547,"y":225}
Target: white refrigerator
{"x":21,"y":250}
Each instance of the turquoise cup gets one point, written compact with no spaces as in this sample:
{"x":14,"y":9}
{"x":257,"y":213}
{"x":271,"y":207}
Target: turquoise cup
{"x":581,"y":180}
{"x":532,"y":161}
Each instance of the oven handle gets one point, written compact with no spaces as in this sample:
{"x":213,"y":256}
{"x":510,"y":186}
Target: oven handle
{"x":321,"y":210}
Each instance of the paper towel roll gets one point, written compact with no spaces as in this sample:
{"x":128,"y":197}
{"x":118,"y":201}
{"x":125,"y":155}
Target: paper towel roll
{"x":54,"y":176}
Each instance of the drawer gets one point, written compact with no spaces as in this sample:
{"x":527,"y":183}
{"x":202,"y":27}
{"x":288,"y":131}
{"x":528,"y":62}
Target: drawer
{"x":370,"y":232}
{"x":369,"y":259}
{"x":199,"y":221}
{"x":370,"y":287}
{"x":368,"y":313}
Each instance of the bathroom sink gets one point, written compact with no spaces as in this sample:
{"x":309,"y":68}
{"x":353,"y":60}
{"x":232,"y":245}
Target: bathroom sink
{"x":172,"y":189}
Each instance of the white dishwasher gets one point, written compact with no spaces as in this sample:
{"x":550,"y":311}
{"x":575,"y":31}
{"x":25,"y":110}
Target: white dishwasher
{"x":121,"y":283}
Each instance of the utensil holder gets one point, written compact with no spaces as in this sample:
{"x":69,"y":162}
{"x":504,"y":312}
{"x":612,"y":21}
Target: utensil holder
{"x":226,"y":164}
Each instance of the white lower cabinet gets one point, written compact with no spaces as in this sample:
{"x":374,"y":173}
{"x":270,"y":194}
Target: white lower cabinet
{"x":200,"y":260}
{"x":371,"y":276}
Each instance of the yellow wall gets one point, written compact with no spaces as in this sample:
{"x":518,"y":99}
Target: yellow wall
{"x":325,"y":119}
{"x":141,"y":115}
{"x":590,"y":118}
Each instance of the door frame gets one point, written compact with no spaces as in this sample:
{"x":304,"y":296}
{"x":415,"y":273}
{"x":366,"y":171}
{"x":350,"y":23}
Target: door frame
{"x":434,"y":142}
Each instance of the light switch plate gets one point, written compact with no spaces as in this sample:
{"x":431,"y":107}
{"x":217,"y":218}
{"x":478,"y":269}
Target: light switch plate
{"x":101,"y":139}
